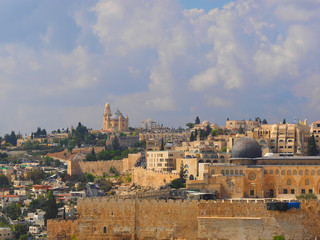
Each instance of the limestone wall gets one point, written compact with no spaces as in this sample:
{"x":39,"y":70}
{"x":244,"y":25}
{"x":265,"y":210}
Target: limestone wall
{"x":149,"y":178}
{"x":103,"y":218}
{"x":99,"y":167}
{"x":61,"y":229}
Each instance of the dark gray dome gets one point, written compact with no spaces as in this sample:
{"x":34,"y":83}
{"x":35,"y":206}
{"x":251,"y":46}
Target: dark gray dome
{"x":246,"y":148}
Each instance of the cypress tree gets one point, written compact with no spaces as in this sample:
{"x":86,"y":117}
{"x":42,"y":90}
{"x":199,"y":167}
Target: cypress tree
{"x":312,"y":148}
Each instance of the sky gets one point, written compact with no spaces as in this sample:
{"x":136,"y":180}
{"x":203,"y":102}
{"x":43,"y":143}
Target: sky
{"x":169,"y":60}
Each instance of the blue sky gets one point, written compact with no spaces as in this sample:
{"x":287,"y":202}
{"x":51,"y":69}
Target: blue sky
{"x":60,"y":61}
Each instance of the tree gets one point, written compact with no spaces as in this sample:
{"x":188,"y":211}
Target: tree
{"x":162,"y":145}
{"x":182,"y":172}
{"x":91,"y":157}
{"x":284,"y":121}
{"x":264,"y":121}
{"x":115,"y":143}
{"x":71,"y":145}
{"x":13,"y":211}
{"x":312,"y":147}
{"x":197,"y":121}
{"x":89,"y":177}
{"x":4,"y":181}
{"x":241,"y":130}
{"x":51,"y":208}
{"x":36,"y":176}
{"x":192,"y":138}
{"x":190,"y":125}
{"x":20,"y":230}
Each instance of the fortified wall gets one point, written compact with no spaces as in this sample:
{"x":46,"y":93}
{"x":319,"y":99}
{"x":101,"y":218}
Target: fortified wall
{"x":102,"y":218}
{"x":149,"y":178}
{"x":97,"y":168}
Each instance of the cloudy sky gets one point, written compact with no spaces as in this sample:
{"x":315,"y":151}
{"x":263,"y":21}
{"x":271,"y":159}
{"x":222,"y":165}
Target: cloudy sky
{"x":172,"y":60}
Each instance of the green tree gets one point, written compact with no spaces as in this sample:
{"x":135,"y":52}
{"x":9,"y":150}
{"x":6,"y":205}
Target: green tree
{"x":23,"y":237}
{"x":4,"y":181}
{"x":36,"y":176}
{"x":190,"y":125}
{"x":284,"y":121}
{"x":89,"y":177}
{"x":51,"y":208}
{"x":13,"y":211}
{"x":264,"y":121}
{"x":90,"y":157}
{"x":115,"y":143}
{"x":177,"y":183}
{"x":71,"y":145}
{"x":241,"y":130}
{"x":162,"y":145}
{"x":182,"y":172}
{"x":192,"y":138}
{"x":197,"y":121}
{"x":20,"y":230}
{"x":312,"y":147}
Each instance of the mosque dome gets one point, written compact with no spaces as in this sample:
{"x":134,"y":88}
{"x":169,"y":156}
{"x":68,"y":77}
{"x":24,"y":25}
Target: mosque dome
{"x":246,"y":147}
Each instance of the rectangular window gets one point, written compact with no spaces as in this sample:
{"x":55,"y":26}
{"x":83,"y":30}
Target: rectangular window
{"x":104,"y":229}
{"x":292,"y":191}
{"x":251,"y":192}
{"x":310,"y":190}
{"x":285,"y":191}
{"x":303,"y":191}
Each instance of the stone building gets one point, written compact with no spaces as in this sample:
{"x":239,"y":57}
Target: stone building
{"x":236,"y":125}
{"x":163,"y":160}
{"x":285,"y":139}
{"x":251,"y":175}
{"x":315,"y":130}
{"x":115,"y":122}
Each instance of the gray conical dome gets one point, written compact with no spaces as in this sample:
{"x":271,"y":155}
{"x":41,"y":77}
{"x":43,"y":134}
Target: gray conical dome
{"x":246,"y":148}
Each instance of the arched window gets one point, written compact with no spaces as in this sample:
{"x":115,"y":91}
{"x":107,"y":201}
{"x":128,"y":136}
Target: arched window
{"x":300,"y":172}
{"x":289,"y":181}
{"x":222,"y":172}
{"x":200,"y":161}
{"x":236,"y":172}
{"x":104,"y":229}
{"x":306,"y":182}
{"x":294,"y":172}
{"x":241,"y":172}
{"x":231,"y":172}
{"x":289,"y":172}
{"x":277,"y":171}
{"x":186,"y":166}
{"x":318,"y":172}
{"x":186,"y":171}
{"x":191,"y":177}
{"x":313,"y":172}
{"x":271,"y":172}
{"x":307,"y":172}
{"x":227,"y":172}
{"x":208,"y":161}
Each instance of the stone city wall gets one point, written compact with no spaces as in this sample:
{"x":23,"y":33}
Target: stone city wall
{"x":97,"y":168}
{"x":102,"y":218}
{"x":149,"y":178}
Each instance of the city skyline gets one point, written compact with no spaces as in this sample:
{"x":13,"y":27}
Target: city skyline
{"x":169,"y":60}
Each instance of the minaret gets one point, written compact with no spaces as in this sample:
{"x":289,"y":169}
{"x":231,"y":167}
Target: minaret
{"x":106,"y":117}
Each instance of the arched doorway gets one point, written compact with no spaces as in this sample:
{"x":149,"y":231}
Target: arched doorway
{"x":271,"y":193}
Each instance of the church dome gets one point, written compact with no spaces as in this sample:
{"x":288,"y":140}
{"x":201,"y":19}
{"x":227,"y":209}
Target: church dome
{"x":246,"y":147}
{"x":117,"y":115}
